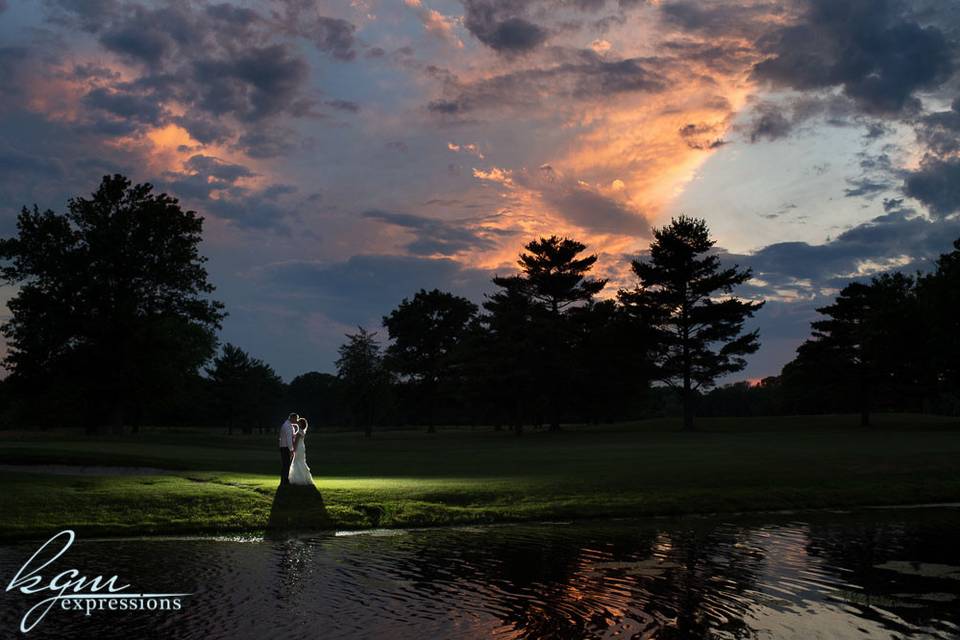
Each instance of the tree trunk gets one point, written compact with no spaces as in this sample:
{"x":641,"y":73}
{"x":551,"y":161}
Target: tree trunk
{"x":864,"y":392}
{"x":687,"y":399}
{"x":688,"y":424}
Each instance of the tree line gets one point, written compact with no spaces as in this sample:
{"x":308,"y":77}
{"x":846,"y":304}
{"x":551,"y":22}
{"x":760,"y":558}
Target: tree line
{"x":888,"y":344}
{"x":113,"y":325}
{"x":544,"y":348}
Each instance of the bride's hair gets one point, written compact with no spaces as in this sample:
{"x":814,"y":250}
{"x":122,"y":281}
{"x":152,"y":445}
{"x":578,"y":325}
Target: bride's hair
{"x":303,"y":423}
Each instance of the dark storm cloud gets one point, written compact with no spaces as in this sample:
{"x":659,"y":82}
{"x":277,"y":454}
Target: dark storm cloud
{"x":715,"y":19}
{"x":365,"y":287}
{"x":251,"y":211}
{"x":874,"y":49}
{"x":594,"y":211}
{"x":215,"y":168}
{"x":775,"y":119}
{"x":888,"y":237}
{"x":254,"y":84}
{"x":586,"y":76}
{"x":204,"y":129}
{"x":139,"y":107}
{"x":438,"y":237}
{"x":769,"y":124}
{"x":865,"y":187}
{"x":216,"y":187}
{"x":267,"y":142}
{"x":232,"y":68}
{"x":503,"y":25}
{"x":936,"y":184}
{"x":332,"y":36}
{"x":940,"y":131}
{"x":151,"y":35}
{"x":47,"y":162}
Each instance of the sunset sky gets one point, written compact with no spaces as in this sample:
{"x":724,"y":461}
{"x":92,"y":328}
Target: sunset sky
{"x":346,"y":154}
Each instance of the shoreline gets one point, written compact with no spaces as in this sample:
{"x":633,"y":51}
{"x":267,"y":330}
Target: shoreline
{"x":246,"y":536}
{"x":216,"y":486}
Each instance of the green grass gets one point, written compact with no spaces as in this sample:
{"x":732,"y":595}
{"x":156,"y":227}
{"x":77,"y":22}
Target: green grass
{"x":409,"y":478}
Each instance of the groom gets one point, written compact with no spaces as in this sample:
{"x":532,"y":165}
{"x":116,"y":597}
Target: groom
{"x":287,"y":431}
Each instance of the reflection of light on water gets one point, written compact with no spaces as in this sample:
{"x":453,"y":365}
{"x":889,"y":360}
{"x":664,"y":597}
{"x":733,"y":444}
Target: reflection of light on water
{"x":690,"y":578}
{"x":371,"y":533}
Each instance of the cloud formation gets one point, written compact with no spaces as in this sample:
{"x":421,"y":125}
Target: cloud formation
{"x":875,"y":50}
{"x":503,"y":25}
{"x":346,"y":154}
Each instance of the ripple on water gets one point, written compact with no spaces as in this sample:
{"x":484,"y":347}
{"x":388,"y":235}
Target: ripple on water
{"x":889,"y":574}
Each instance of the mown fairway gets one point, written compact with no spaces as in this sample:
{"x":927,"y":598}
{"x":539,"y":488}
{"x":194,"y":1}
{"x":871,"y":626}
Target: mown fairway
{"x":408,"y":478}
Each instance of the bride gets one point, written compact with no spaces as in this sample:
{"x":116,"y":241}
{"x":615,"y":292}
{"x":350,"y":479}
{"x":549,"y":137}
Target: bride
{"x":299,"y":471}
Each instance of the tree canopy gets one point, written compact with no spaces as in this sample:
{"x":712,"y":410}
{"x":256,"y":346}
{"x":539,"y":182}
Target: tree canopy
{"x":685,"y":294}
{"x":112,"y":301}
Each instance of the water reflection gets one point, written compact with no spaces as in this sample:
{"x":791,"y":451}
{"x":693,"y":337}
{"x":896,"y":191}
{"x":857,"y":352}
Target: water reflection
{"x":876,"y":574}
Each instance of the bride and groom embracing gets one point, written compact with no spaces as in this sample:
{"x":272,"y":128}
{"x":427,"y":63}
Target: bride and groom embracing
{"x":293,"y":452}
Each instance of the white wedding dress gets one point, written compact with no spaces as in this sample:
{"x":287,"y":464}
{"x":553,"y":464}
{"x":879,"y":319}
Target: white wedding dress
{"x":299,"y":471}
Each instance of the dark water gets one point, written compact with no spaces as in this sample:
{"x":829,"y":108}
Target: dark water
{"x":868,"y":574}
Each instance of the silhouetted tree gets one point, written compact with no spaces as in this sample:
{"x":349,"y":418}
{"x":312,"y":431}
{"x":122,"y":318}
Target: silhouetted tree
{"x":685,"y":295}
{"x":611,"y":367}
{"x":426,"y":332}
{"x":763,"y":398}
{"x":360,"y":367}
{"x":863,"y":350}
{"x":112,"y":302}
{"x":506,"y":353}
{"x":553,"y":276}
{"x":246,"y":392}
{"x":318,"y":396}
{"x":939,"y":302}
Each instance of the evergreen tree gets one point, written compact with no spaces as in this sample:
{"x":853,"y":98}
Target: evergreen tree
{"x":507,"y":352}
{"x":554,"y":279}
{"x":318,"y":396}
{"x":246,"y":391}
{"x":939,"y":299}
{"x":611,"y":367}
{"x":685,"y":295}
{"x":365,"y":379}
{"x":863,"y":350}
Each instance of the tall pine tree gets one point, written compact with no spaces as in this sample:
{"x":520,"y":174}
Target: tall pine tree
{"x":554,"y":278}
{"x":686,"y":297}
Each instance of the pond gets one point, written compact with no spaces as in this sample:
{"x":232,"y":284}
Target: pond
{"x":872,"y":573}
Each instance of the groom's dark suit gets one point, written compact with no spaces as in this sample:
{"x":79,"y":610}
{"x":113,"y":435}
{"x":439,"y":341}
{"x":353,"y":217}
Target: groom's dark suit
{"x":286,"y":449}
{"x":284,"y":465}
